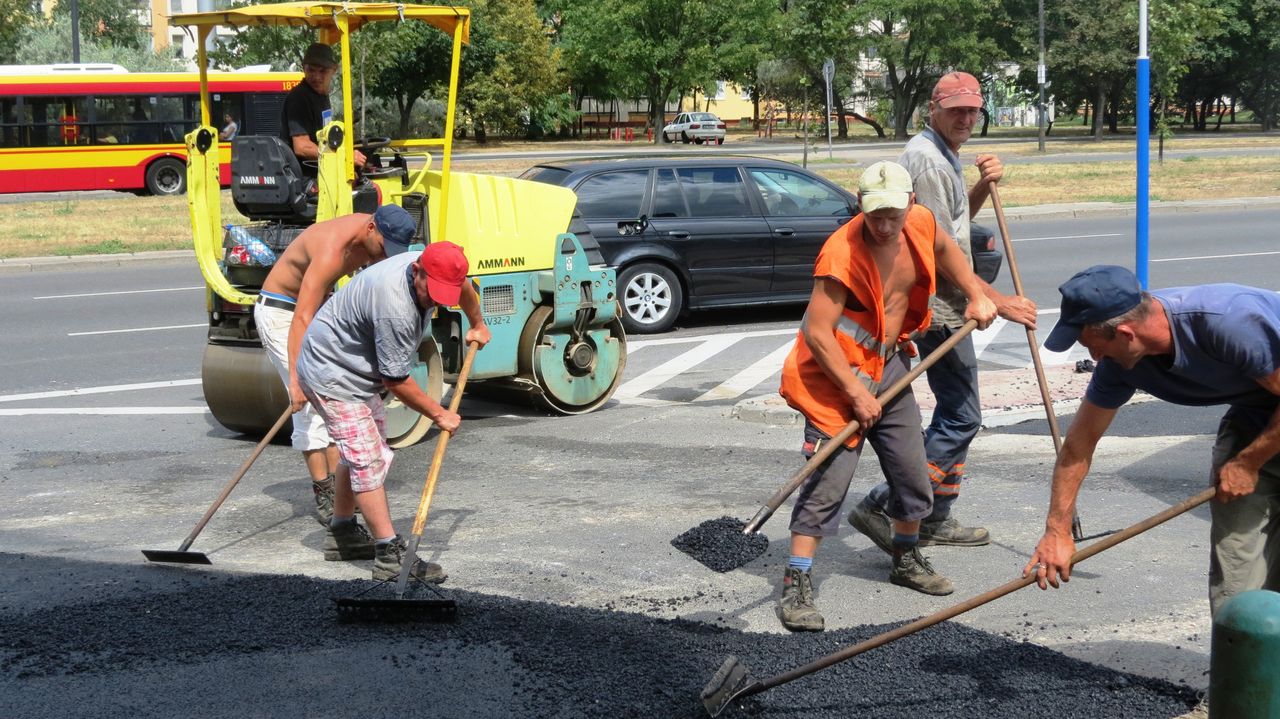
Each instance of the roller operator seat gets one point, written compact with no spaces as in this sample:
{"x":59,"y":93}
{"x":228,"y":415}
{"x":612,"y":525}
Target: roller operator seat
{"x":267,"y":181}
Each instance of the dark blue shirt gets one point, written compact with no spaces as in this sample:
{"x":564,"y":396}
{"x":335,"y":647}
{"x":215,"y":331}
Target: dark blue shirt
{"x":1225,"y":338}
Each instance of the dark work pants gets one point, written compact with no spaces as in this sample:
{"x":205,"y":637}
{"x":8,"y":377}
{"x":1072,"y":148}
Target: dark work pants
{"x":957,"y":417}
{"x":897,"y":441}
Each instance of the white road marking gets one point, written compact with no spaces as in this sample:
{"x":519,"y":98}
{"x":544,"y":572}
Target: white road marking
{"x":136,"y":329}
{"x":121,"y":292}
{"x":982,"y":338}
{"x":98,"y":390}
{"x":710,"y":347}
{"x":1070,"y":237}
{"x":744,"y":381}
{"x":640,"y":344}
{"x":1216,"y":257}
{"x":28,"y":411}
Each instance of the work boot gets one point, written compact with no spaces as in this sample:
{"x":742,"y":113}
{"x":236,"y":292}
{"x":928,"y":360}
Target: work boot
{"x":873,"y":522}
{"x":951,"y":533}
{"x":347,"y":541}
{"x":795,"y":608}
{"x":323,"y":492}
{"x":386,"y":565}
{"x":913,"y":571}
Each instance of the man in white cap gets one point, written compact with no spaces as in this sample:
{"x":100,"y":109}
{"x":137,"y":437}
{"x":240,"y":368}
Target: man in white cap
{"x":872,"y":283}
{"x":933,"y":160}
{"x":364,"y":341}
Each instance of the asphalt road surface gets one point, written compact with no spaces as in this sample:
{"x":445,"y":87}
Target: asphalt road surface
{"x":556,"y":531}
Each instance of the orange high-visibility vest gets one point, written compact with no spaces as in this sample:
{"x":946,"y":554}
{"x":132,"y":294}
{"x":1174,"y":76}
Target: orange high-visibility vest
{"x":860,"y":333}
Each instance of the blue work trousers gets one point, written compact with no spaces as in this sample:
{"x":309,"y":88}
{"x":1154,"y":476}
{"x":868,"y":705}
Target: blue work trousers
{"x":957,"y":417}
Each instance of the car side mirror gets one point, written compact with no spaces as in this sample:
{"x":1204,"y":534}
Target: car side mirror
{"x":637,"y":226}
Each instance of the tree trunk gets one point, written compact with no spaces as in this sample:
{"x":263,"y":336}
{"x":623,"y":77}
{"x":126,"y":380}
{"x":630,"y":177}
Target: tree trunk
{"x":986,"y":121}
{"x":1099,"y":103}
{"x":866,"y":121}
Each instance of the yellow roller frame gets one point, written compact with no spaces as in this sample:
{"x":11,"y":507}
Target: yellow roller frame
{"x":335,"y":21}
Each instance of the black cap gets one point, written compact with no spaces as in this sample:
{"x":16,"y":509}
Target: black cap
{"x":1093,"y":295}
{"x":319,"y":54}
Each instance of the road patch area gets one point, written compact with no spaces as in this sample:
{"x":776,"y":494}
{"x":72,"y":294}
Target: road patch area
{"x":163,"y":641}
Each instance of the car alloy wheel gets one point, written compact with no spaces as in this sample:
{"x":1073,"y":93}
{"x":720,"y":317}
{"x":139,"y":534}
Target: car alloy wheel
{"x":651,"y":298}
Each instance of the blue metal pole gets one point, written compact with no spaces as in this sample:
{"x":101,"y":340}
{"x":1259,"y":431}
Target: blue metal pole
{"x":1142,"y":110}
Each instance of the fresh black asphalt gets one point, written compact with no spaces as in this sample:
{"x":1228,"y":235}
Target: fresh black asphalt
{"x":173,"y":641}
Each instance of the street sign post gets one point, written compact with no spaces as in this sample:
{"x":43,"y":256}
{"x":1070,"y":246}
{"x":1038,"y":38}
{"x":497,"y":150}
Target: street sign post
{"x":828,"y":74}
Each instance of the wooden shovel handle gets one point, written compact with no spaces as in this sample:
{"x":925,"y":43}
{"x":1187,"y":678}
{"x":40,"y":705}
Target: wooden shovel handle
{"x":838,"y":439}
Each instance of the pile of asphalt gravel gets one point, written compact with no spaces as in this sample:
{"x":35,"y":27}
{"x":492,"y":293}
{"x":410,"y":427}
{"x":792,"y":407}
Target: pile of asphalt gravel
{"x":720,"y":544}
{"x":272,"y":646}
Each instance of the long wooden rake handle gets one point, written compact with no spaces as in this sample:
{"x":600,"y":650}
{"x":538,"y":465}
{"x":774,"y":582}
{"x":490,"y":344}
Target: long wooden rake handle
{"x":226,"y":488}
{"x":429,"y":489}
{"x":838,"y":439}
{"x":1008,"y":588}
{"x":1077,"y":530}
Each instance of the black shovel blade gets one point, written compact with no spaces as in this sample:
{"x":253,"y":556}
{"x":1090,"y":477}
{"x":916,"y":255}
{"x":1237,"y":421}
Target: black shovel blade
{"x":175,"y":557}
{"x":731,"y":680}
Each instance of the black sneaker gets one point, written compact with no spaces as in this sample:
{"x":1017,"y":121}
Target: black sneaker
{"x":873,"y":522}
{"x":913,"y":571}
{"x":951,"y":533}
{"x":347,"y":541}
{"x":386,"y":564}
{"x":795,"y":608}
{"x":323,"y":493}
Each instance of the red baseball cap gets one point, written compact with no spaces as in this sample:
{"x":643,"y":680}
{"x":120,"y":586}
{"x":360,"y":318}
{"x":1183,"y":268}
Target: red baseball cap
{"x":446,"y":269}
{"x":957,"y":89}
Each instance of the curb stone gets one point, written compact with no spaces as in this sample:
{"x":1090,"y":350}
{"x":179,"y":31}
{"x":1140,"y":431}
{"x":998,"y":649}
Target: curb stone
{"x":14,"y":265}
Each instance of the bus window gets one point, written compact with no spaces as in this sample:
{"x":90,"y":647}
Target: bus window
{"x":169,"y":114}
{"x":11,"y":122}
{"x":58,"y":121}
{"x":111,"y":120}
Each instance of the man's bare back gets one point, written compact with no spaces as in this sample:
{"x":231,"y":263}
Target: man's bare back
{"x":339,"y":241}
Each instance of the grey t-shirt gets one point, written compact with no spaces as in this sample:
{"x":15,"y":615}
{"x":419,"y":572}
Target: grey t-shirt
{"x":1225,"y":338}
{"x":368,"y":331}
{"x":938,"y":181}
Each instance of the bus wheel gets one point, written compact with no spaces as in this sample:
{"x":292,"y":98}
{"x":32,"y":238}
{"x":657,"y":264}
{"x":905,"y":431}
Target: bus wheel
{"x":167,"y":176}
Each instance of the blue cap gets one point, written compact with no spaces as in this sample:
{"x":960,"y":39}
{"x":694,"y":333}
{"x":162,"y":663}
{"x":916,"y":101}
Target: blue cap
{"x":397,"y":228}
{"x":1094,"y":295}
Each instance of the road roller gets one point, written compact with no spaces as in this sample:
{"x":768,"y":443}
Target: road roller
{"x":546,"y":293}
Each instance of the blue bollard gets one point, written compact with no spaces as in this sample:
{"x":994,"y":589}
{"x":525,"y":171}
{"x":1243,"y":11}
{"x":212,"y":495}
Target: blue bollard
{"x":1244,"y":667}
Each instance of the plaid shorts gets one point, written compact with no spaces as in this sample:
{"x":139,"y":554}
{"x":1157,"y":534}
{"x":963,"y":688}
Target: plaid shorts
{"x":360,"y":431}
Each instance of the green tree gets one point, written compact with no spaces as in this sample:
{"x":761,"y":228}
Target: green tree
{"x":1257,"y":71}
{"x":1181,"y":32}
{"x":50,"y":43}
{"x":20,"y":18}
{"x":919,"y":40}
{"x":114,"y":22}
{"x":1092,"y":50}
{"x":652,"y":49}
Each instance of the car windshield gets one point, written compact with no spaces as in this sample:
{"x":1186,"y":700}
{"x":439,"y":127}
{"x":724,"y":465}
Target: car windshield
{"x":702,"y":117}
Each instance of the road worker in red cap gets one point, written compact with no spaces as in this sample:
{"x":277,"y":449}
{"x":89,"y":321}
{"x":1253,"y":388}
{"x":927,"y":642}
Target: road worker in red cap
{"x":363,"y":341}
{"x":932,"y":159}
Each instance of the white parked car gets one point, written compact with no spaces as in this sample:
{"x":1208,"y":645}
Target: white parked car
{"x":696,"y":127}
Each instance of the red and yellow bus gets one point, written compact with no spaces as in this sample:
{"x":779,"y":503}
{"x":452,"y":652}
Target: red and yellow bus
{"x":95,"y":130}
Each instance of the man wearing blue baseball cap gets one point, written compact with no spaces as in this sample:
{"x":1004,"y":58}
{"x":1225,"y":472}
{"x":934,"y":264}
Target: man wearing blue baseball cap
{"x":1204,"y":345}
{"x":298,"y":284}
